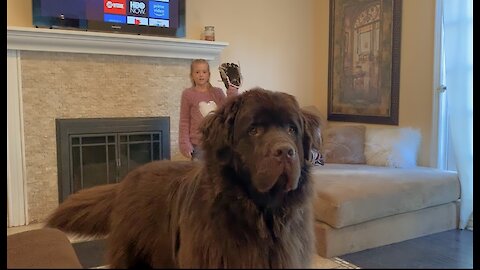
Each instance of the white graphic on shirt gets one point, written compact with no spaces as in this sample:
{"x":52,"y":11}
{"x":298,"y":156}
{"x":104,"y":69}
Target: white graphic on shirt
{"x":206,"y":108}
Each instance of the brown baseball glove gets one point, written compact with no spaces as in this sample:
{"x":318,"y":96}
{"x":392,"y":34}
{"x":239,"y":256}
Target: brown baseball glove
{"x":230,"y":74}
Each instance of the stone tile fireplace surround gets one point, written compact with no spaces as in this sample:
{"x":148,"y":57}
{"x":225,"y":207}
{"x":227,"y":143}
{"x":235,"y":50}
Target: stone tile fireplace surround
{"x":68,"y":74}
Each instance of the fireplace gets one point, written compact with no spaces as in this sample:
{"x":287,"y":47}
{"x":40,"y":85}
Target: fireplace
{"x":59,"y":74}
{"x":96,"y":151}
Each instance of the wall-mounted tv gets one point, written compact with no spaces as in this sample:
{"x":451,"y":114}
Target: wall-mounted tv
{"x":143,"y":17}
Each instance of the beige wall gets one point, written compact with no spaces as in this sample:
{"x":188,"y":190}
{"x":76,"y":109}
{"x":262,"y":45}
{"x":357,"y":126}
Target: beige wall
{"x":283,"y":45}
{"x":19,"y":13}
{"x":273,"y":40}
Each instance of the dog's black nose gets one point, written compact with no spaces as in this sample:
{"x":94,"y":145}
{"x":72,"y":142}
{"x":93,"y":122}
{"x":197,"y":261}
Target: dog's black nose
{"x":284,"y":151}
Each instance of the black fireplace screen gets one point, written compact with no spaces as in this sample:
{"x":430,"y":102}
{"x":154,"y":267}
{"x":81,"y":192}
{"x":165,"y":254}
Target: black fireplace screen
{"x":100,"y":151}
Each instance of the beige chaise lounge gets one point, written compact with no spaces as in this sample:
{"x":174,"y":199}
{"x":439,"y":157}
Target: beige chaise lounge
{"x":361,"y":206}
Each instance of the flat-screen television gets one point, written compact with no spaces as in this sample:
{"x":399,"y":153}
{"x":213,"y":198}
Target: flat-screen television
{"x":143,"y":17}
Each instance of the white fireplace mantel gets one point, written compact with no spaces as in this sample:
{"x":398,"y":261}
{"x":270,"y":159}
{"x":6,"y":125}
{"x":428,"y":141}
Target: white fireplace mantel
{"x":59,"y":40}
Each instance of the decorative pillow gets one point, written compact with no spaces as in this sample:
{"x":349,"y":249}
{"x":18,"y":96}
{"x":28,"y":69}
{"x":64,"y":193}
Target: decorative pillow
{"x":344,"y":144}
{"x":392,"y":147}
{"x":316,"y":158}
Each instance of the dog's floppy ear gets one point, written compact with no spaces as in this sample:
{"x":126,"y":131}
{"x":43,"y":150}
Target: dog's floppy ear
{"x":217,"y":129}
{"x":312,"y":136}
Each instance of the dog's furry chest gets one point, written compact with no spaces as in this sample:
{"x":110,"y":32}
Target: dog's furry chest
{"x":235,"y":234}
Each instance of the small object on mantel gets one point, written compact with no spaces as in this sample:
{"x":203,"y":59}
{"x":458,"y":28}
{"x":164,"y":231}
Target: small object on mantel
{"x":209,"y":33}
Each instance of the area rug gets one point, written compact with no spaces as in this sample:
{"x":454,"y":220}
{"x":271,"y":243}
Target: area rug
{"x":331,"y":263}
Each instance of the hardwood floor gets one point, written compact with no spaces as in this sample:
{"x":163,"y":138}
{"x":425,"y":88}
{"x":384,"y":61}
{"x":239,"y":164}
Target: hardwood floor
{"x":91,"y":253}
{"x":446,"y":250}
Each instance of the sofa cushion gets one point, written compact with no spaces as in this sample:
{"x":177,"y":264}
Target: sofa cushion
{"x":348,"y":194}
{"x":344,"y":144}
{"x":392,"y":147}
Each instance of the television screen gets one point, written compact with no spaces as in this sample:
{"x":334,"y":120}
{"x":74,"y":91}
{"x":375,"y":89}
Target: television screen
{"x":149,"y":17}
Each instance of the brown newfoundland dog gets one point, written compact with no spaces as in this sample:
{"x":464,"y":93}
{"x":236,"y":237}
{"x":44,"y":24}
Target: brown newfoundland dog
{"x":247,"y":205}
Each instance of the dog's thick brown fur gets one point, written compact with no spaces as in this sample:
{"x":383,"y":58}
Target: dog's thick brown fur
{"x":247,"y":205}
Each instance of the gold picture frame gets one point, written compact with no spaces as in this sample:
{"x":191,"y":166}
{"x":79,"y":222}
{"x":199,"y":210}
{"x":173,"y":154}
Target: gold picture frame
{"x":364,"y":61}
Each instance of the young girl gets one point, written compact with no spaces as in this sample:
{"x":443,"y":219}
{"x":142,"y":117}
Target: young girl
{"x":196,"y":102}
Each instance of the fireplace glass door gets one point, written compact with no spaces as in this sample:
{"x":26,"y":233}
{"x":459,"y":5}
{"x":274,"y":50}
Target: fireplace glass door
{"x":106,"y":158}
{"x":94,"y":152}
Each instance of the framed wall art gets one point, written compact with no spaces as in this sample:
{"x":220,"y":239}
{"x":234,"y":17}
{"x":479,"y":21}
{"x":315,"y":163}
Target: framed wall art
{"x":364,"y":61}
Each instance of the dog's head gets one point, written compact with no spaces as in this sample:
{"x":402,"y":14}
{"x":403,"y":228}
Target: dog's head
{"x":262,"y":139}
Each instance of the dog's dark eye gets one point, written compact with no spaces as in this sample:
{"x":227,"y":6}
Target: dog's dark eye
{"x":292,"y":130}
{"x":252,"y":131}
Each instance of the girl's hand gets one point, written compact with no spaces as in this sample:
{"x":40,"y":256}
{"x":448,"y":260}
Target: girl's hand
{"x":232,"y":90}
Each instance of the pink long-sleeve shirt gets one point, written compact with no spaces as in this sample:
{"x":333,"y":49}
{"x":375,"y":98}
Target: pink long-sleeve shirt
{"x":194,"y":106}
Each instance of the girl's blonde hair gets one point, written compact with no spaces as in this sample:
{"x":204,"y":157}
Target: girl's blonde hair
{"x":199,"y":61}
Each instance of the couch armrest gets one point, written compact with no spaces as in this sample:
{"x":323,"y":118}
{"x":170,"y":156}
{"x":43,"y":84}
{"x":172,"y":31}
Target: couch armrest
{"x":41,"y":248}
